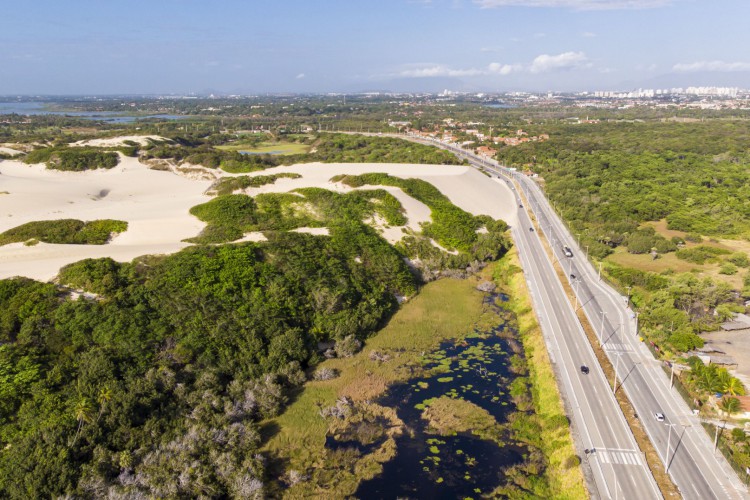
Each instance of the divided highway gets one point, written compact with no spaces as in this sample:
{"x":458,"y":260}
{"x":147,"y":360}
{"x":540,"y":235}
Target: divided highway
{"x":684,"y":447}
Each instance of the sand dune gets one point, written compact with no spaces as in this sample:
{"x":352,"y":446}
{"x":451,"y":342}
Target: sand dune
{"x":156,"y":205}
{"x":114,"y":142}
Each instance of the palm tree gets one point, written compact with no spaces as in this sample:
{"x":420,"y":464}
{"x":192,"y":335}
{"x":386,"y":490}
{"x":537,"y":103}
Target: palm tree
{"x":730,"y":405}
{"x":83,"y":415}
{"x":734,"y":387}
{"x":708,"y":380}
{"x":104,"y":396}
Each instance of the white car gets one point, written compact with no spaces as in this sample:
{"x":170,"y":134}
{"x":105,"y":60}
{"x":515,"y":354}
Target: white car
{"x":659,"y":417}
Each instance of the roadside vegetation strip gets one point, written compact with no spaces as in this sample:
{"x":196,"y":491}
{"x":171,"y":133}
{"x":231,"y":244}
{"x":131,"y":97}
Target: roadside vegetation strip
{"x":64,"y":231}
{"x":563,"y":466}
{"x":443,"y":310}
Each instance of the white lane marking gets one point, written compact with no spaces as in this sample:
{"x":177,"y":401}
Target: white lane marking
{"x":619,"y":457}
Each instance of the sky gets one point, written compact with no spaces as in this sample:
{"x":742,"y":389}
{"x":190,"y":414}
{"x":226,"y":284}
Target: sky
{"x":277,"y":46}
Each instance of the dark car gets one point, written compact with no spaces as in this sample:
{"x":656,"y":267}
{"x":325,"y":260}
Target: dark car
{"x":531,"y":229}
{"x":584,"y":369}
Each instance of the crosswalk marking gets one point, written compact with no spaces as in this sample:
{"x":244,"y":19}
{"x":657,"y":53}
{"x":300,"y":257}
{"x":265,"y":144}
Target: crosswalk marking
{"x":623,"y":457}
{"x":617,"y":347}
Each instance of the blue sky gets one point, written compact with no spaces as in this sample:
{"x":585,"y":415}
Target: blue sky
{"x":257,"y":46}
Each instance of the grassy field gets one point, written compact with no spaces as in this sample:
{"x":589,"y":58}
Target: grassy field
{"x":670,"y":262}
{"x":444,"y":309}
{"x":563,"y":473}
{"x":280,"y":148}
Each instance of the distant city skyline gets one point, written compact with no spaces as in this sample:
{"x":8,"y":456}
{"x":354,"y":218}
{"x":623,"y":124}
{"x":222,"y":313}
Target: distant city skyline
{"x":259,"y":46}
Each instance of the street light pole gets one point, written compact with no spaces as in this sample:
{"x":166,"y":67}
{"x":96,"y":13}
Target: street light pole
{"x":575,"y":308}
{"x":601,"y":336}
{"x":716,"y":436}
{"x":587,"y":252}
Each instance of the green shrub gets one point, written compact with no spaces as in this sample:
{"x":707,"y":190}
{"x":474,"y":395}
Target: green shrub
{"x":739,"y":259}
{"x":65,"y":231}
{"x":728,"y":268}
{"x":701,"y":254}
{"x":73,"y":158}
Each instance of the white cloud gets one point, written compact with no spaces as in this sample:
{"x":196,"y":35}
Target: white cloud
{"x":541,"y":64}
{"x":437,"y":70}
{"x":588,"y":34}
{"x":712,"y":66}
{"x":576,"y":4}
{"x":300,"y":76}
{"x":503,"y":69}
{"x":567,"y":60}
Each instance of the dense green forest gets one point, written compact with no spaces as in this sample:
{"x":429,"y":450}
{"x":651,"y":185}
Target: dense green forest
{"x":65,"y":231}
{"x":154,"y":388}
{"x":153,"y":384}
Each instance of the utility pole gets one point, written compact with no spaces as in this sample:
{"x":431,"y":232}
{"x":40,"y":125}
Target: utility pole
{"x":600,"y":271}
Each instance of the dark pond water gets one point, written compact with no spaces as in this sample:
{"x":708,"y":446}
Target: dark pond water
{"x":40,"y":108}
{"x":463,"y":466}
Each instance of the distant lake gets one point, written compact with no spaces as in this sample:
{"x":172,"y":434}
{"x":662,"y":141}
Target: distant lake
{"x":40,"y":108}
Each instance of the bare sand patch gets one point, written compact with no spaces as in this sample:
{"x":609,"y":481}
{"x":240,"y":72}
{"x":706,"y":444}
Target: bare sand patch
{"x":114,"y":142}
{"x":10,"y":151}
{"x":156,"y":205}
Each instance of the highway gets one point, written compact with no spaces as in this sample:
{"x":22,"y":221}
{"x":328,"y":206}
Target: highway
{"x":682,"y":444}
{"x":684,"y":447}
{"x":614,"y":460}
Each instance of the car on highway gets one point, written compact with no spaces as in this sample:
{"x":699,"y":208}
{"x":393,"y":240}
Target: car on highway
{"x":568,"y":251}
{"x":659,"y":416}
{"x":584,"y":369}
{"x":531,"y":229}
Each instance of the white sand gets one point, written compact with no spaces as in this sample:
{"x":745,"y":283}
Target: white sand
{"x":9,"y":151}
{"x":114,"y":142}
{"x":156,"y":205}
